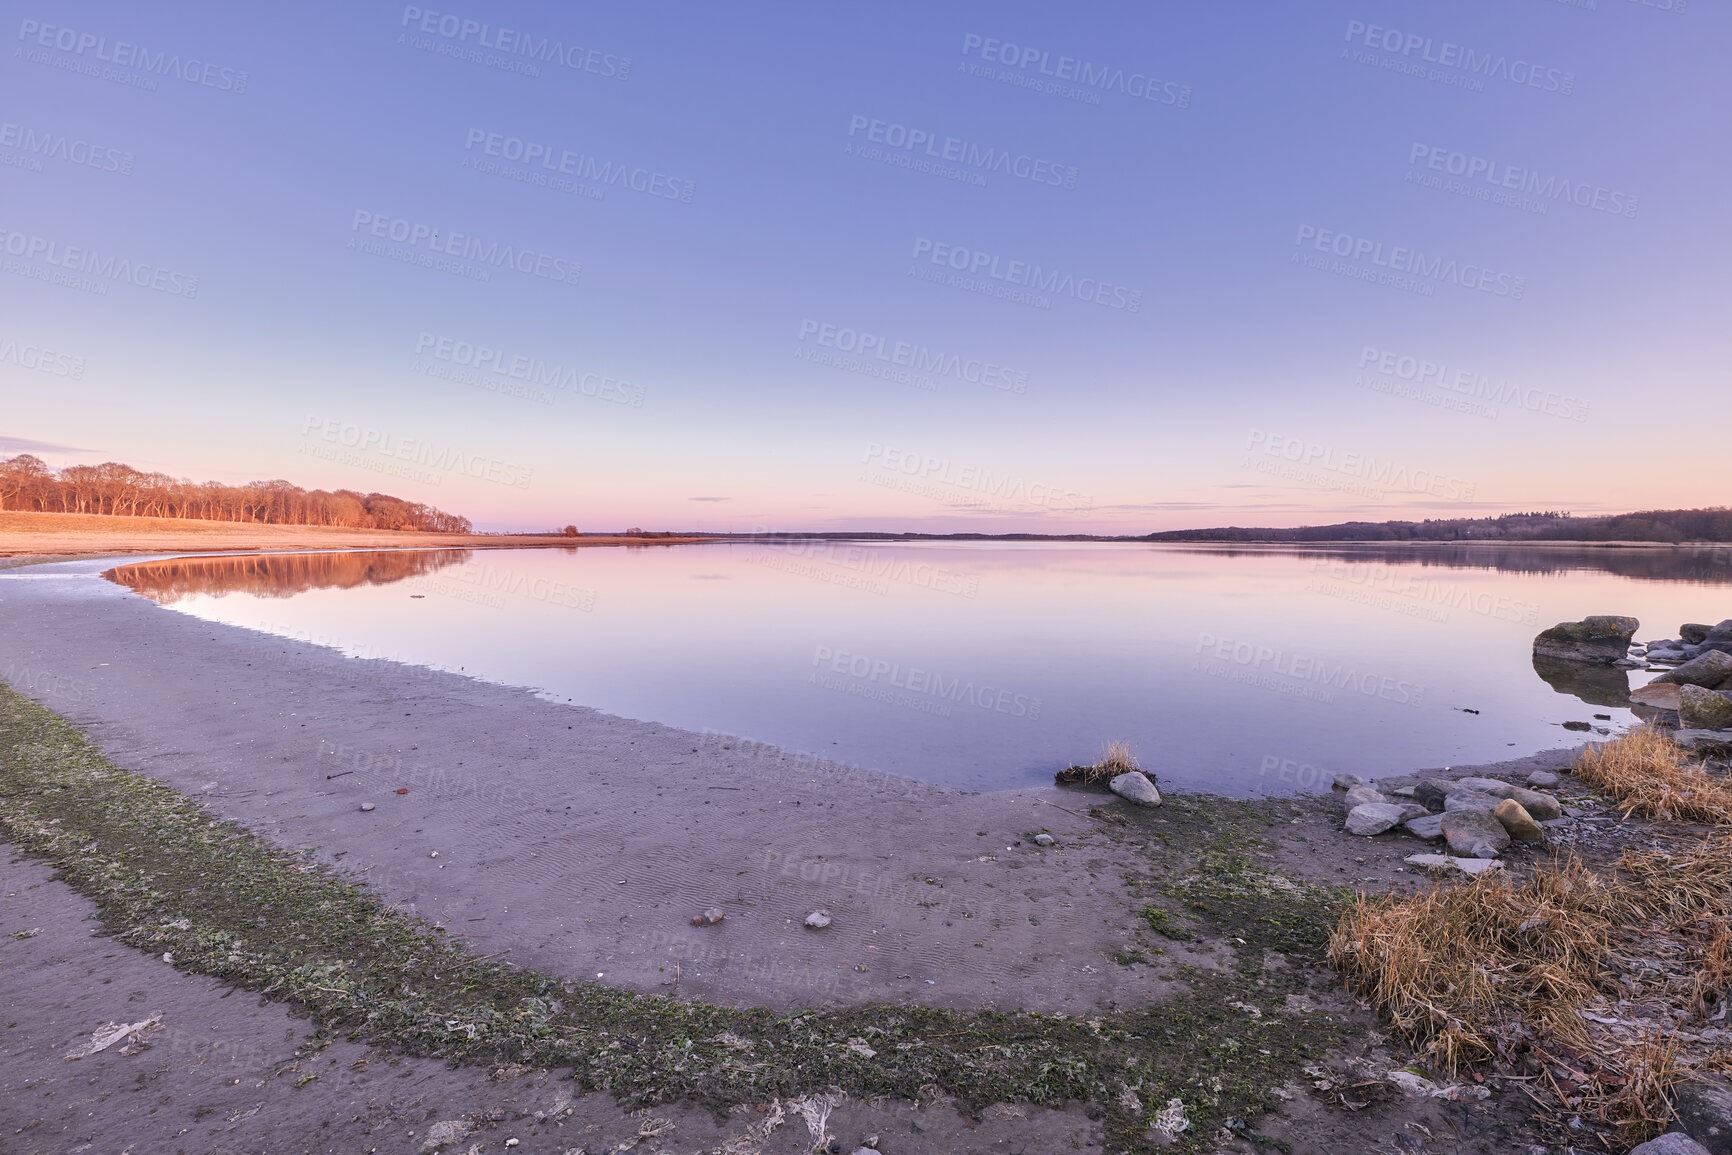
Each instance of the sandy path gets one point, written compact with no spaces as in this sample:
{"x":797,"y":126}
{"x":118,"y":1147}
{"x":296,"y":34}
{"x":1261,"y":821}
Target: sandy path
{"x":583,"y":843}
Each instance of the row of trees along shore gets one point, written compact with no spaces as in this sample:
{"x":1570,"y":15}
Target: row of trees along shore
{"x":27,"y":484}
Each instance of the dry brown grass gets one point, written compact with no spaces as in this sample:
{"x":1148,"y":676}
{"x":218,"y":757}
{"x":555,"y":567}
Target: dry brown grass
{"x":1508,"y":972}
{"x":1116,"y":759}
{"x":1651,"y":775}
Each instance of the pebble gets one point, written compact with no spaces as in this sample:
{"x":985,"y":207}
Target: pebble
{"x":1045,"y":840}
{"x":818,"y":919}
{"x":709,"y":918}
{"x":366,"y":806}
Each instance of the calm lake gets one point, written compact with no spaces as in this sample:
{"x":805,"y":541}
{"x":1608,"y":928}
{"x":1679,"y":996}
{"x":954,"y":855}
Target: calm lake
{"x":1234,"y":670}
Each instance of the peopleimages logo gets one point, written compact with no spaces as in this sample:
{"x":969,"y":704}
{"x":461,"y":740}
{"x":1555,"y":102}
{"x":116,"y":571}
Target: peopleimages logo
{"x":40,"y":359}
{"x":1410,"y":264}
{"x":581,"y":166}
{"x":1489,"y":179}
{"x":465,"y":247}
{"x":1096,"y":77}
{"x":912,"y":357}
{"x":46,"y":145}
{"x":977,"y":263}
{"x":929,"y":145}
{"x":1378,"y":475}
{"x":1412,"y":51}
{"x":410,"y":452}
{"x":934,"y":688}
{"x":122,"y":54}
{"x":511,"y":42}
{"x":1305,"y":670}
{"x":89,"y":268}
{"x":486,"y":361}
{"x":1468,"y":383}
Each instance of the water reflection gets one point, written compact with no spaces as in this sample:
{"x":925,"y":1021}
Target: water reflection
{"x":1697,"y":564}
{"x":1595,"y":685}
{"x":279,"y":575}
{"x":985,"y":664}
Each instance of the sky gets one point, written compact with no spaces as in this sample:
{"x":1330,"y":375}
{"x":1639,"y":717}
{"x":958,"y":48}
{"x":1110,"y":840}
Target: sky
{"x":964,"y":267}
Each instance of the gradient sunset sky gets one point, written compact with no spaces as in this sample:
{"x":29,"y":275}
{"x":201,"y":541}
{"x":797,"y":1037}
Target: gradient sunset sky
{"x":776,"y":266}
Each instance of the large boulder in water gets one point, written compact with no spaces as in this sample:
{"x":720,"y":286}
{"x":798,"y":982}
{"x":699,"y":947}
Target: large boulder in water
{"x":1598,"y":640}
{"x":1719,"y":638}
{"x":1593,"y":684}
{"x":1700,"y":709}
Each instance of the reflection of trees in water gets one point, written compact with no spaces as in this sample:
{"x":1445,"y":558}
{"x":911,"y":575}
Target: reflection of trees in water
{"x":279,"y":575}
{"x":1704,"y":565}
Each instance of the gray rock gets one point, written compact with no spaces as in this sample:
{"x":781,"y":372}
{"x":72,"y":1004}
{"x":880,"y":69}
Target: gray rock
{"x":1470,"y":800}
{"x":1718,"y":638}
{"x":1694,"y":632}
{"x":1542,"y":779}
{"x":1360,"y":795}
{"x":1700,"y":709}
{"x":1712,"y":670}
{"x":1448,"y":862}
{"x":1601,"y":639}
{"x":1666,"y":657}
{"x":1671,"y":1143}
{"x":1412,"y":810}
{"x":365,"y":806}
{"x":1704,"y":1107}
{"x":1348,"y":781}
{"x":1544,"y":807}
{"x":1430,"y":792}
{"x":1372,"y":818}
{"x":1474,"y":833}
{"x":1710,"y":742}
{"x":1428,"y":826}
{"x":818,"y":919}
{"x":1045,"y":840}
{"x":1135,"y":787}
{"x":1496,"y":787}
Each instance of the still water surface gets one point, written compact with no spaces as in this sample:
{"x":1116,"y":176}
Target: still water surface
{"x":1232,"y":670}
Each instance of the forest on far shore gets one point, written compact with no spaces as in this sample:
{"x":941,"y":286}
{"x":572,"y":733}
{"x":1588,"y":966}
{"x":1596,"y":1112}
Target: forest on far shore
{"x":27,"y":484}
{"x":1667,"y":525}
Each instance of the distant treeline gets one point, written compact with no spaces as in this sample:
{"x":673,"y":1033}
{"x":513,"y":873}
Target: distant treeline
{"x":27,"y":484}
{"x":1660,"y":525}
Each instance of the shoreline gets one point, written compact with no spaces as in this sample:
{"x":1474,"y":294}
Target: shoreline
{"x":940,"y":897}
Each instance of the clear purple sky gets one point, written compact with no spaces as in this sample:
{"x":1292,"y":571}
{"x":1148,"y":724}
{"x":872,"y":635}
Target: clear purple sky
{"x":940,"y":267}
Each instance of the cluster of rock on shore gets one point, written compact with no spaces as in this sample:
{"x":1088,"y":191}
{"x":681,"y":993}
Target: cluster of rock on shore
{"x":1693,"y":694}
{"x":1477,"y":818}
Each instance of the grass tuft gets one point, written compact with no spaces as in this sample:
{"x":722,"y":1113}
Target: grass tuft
{"x":1653,"y":776}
